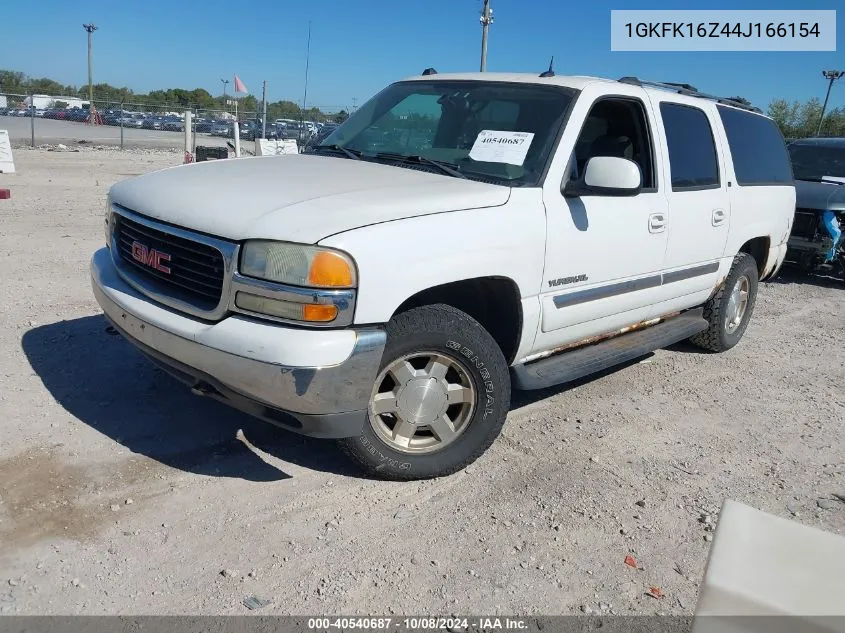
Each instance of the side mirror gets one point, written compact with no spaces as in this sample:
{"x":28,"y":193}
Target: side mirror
{"x":606,"y":176}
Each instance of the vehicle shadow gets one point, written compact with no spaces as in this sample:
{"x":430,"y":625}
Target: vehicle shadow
{"x":103,"y":381}
{"x":521,"y":399}
{"x":791,"y":274}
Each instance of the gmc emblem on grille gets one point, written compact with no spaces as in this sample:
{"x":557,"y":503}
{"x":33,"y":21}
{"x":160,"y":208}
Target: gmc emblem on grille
{"x":150,"y":257}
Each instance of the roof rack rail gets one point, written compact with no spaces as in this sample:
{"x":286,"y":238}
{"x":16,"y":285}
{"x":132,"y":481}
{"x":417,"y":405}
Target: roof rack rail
{"x":691,"y":91}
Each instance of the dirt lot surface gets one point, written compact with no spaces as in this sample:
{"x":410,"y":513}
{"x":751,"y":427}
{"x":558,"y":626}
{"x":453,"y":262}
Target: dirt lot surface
{"x":123,"y":493}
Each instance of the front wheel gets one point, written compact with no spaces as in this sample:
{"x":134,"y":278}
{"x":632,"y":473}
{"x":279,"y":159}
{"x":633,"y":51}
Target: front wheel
{"x":440,"y":398}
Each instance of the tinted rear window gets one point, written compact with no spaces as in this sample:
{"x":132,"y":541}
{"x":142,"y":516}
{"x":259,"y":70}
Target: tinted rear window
{"x":692,"y":152}
{"x":757,"y":147}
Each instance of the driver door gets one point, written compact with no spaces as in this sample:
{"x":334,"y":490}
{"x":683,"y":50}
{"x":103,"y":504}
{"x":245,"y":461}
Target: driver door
{"x":604,"y":254}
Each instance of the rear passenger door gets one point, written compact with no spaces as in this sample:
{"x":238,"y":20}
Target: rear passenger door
{"x":699,"y":206}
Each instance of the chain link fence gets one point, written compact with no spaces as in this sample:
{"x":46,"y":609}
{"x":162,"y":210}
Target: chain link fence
{"x":36,"y":120}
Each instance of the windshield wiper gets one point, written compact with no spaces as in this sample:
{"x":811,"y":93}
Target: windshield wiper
{"x":447,"y":168}
{"x":823,"y":179}
{"x":349,"y":153}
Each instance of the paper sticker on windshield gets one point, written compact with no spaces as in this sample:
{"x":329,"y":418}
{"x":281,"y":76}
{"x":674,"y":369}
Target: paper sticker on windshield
{"x":501,"y":147}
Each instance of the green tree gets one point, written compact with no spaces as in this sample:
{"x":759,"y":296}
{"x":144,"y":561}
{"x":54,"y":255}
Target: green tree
{"x":340,"y":117}
{"x":282,"y":110}
{"x":801,"y":119}
{"x":13,"y":82}
{"x":785,"y":114}
{"x":808,"y":117}
{"x":834,"y":122}
{"x":46,"y":86}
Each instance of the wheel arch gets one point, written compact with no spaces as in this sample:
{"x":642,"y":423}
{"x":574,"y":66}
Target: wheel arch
{"x":494,"y":302}
{"x":759,"y":248}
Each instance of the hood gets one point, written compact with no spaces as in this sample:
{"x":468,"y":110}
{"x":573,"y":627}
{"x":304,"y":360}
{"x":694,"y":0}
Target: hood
{"x":819,"y":195}
{"x":296,"y":198}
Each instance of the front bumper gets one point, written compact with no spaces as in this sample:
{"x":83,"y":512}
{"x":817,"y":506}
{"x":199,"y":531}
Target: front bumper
{"x":314,"y":382}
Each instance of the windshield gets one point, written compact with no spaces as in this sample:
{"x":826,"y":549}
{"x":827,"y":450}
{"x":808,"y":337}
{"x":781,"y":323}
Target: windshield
{"x":817,"y":162}
{"x":486,"y":130}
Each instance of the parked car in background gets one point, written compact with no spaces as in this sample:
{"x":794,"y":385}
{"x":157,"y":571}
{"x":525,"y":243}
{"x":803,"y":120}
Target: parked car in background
{"x":221,"y":128}
{"x":816,"y":240}
{"x":80,"y":115}
{"x":111,"y":117}
{"x":173,"y":124}
{"x":320,"y":136}
{"x":152,"y":123}
{"x":294,"y":130}
{"x":202,"y":126}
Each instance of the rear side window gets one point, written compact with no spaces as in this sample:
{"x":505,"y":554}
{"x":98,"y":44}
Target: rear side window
{"x":757,"y":147}
{"x":692,"y":152}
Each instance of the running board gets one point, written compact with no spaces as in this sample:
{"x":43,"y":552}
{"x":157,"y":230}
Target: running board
{"x":590,"y":359}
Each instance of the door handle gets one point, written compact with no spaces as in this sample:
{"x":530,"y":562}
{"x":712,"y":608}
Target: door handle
{"x":657,"y":223}
{"x":719,"y":217}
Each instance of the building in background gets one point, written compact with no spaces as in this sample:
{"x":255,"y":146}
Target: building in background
{"x":42,"y":102}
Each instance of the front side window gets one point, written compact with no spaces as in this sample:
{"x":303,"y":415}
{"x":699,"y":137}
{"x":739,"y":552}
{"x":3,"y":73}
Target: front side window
{"x":692,"y":152}
{"x":617,"y":127}
{"x":459,"y":124}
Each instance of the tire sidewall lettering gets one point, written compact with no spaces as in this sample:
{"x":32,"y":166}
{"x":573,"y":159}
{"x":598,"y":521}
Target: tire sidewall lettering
{"x":478,"y":364}
{"x":373,"y":450}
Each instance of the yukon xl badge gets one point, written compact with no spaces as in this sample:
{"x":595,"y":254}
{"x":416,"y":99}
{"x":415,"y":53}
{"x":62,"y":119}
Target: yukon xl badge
{"x":567,"y":280}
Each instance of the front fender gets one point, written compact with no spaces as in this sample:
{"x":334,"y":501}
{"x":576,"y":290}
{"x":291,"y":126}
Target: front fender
{"x":398,"y":259}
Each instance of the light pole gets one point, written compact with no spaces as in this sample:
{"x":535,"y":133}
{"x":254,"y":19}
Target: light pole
{"x":90,"y":28}
{"x":831,"y":76}
{"x":225,"y":83}
{"x":486,"y":21}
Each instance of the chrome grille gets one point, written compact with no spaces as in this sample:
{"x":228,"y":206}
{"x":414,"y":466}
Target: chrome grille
{"x":193,"y":273}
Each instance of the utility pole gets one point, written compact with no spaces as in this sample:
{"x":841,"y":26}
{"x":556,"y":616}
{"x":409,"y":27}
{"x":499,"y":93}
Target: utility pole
{"x":264,"y":111}
{"x":486,"y":21}
{"x":225,"y":83}
{"x":307,"y":63}
{"x":90,"y":28}
{"x":831,"y":76}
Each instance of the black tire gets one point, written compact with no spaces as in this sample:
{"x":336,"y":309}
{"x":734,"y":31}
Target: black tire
{"x":455,"y":335}
{"x":718,"y":337}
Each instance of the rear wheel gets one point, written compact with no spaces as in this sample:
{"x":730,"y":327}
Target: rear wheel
{"x":729,"y":310}
{"x":440,"y":399}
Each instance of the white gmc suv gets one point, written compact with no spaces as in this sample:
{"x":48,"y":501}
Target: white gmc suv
{"x":458,"y":235}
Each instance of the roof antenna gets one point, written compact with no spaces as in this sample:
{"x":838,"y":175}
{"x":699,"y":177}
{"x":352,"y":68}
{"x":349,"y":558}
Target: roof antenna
{"x":429,"y":71}
{"x":551,"y":71}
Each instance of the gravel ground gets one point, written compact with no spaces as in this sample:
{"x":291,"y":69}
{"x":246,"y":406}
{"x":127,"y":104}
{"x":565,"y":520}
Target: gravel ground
{"x":124,"y":494}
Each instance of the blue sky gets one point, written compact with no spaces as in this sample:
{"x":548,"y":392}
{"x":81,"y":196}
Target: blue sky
{"x":358,"y":46}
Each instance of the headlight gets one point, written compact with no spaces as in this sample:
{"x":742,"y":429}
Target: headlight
{"x":297,"y":265}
